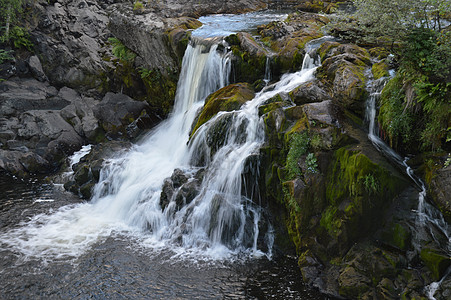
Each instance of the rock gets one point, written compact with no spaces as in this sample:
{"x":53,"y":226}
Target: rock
{"x":228,"y":98}
{"x":440,"y":190}
{"x":180,"y":188}
{"x":148,"y":35}
{"x":87,"y":171}
{"x":309,"y":92}
{"x":352,"y":283}
{"x":437,"y":261}
{"x":22,"y":163}
{"x":343,"y":72}
{"x":36,"y":68}
{"x":70,"y":38}
{"x":288,"y":39}
{"x":116,"y":111}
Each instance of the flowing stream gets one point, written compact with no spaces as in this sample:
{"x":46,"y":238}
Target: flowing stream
{"x":429,"y":222}
{"x":175,"y":202}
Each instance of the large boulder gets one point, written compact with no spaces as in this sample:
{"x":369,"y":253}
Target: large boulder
{"x":226,"y":99}
{"x":342,"y":71}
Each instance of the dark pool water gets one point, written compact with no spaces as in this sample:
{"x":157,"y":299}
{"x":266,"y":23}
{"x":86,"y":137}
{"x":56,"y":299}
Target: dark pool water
{"x":119,"y":268}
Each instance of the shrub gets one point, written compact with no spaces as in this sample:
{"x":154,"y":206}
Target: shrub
{"x":138,"y":6}
{"x":5,"y":55}
{"x":299,"y":144}
{"x":121,"y":51}
{"x":312,"y":163}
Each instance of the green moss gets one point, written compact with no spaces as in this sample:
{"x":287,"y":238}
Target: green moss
{"x":228,"y":98}
{"x":380,"y":69}
{"x":379,"y":52}
{"x":346,"y":188}
{"x":326,"y":47}
{"x":436,"y":262}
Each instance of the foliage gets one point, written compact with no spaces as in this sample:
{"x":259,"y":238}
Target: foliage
{"x":121,"y":51}
{"x":20,"y":38}
{"x":427,"y":52}
{"x":436,"y":102}
{"x":138,"y":6}
{"x":9,"y":10}
{"x":299,"y":144}
{"x":371,"y":184}
{"x":397,"y":121}
{"x":152,"y":75}
{"x":390,"y":21}
{"x":312,"y":163}
{"x":5,"y":55}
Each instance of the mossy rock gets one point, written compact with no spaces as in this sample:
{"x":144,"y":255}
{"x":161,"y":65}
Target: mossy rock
{"x":380,"y":69}
{"x":358,"y":191}
{"x":228,"y":98}
{"x":397,"y":236}
{"x":436,"y":261}
{"x":324,"y":51}
{"x":379,"y":52}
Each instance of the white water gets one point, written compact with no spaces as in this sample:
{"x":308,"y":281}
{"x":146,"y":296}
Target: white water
{"x":219,"y":221}
{"x":429,"y":220}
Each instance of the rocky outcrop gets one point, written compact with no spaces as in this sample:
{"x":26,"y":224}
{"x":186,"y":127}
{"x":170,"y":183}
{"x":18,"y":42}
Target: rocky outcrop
{"x":342,"y":72}
{"x":87,"y":171}
{"x":41,"y":125}
{"x":70,"y":38}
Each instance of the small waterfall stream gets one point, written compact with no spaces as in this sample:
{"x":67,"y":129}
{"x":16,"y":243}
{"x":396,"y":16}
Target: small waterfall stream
{"x":429,"y":220}
{"x":207,"y":214}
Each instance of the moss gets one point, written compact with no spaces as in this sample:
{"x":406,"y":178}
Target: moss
{"x":380,"y":69}
{"x":379,"y":52}
{"x":228,"y":98}
{"x":436,"y":262}
{"x":325,"y":48}
{"x":353,"y":206}
{"x":397,"y":236}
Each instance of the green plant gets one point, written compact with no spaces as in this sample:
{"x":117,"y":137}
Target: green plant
{"x":121,"y":51}
{"x":9,"y":9}
{"x":5,"y":55}
{"x":371,"y":184}
{"x":447,"y":162}
{"x":299,"y":144}
{"x":312,"y":163}
{"x":20,"y":38}
{"x":152,"y":75}
{"x":138,"y":6}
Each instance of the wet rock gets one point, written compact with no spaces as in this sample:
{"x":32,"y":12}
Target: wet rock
{"x":288,"y":39}
{"x":228,"y":98}
{"x":87,"y":171}
{"x":180,"y":188}
{"x":440,"y":190}
{"x":437,"y":261}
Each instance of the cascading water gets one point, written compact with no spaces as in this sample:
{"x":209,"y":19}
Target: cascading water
{"x":429,"y":220}
{"x":218,"y":220}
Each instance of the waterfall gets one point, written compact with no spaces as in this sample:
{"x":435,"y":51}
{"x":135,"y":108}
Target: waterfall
{"x":170,"y":191}
{"x":428,"y":218}
{"x":267,"y":77}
